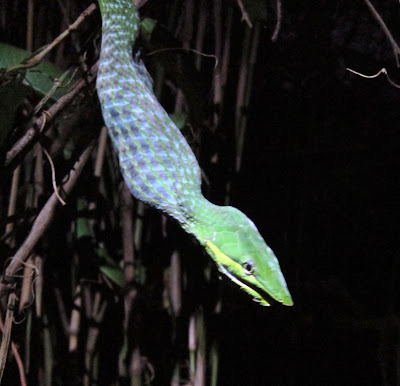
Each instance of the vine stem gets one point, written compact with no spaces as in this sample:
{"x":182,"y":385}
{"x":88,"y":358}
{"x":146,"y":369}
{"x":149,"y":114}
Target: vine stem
{"x":38,"y":57}
{"x":47,"y":116}
{"x":44,"y":218}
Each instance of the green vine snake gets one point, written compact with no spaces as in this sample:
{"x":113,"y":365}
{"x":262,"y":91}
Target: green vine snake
{"x":159,"y":166}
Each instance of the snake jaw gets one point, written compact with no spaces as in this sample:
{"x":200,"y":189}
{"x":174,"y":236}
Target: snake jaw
{"x":256,"y":296}
{"x":248,"y":283}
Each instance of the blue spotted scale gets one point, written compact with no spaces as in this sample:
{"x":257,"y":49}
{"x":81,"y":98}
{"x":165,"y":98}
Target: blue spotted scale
{"x":160,"y":168}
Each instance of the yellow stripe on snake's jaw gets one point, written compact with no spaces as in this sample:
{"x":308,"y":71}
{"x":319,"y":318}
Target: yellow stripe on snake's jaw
{"x":233,"y":271}
{"x":239,"y":274}
{"x":238,"y":249}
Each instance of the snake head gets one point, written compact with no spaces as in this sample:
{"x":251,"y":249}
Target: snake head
{"x":241,"y":253}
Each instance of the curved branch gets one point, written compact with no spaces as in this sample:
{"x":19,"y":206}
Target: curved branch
{"x":38,"y":57}
{"x":245,"y":15}
{"x":47,"y":116}
{"x":395,"y":46}
{"x":278,"y":24}
{"x":44,"y":219}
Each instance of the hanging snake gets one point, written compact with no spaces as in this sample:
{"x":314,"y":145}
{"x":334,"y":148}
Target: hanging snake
{"x":159,"y":166}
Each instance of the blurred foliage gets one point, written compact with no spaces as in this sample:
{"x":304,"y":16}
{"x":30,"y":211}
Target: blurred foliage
{"x":16,"y":85}
{"x":40,"y":78}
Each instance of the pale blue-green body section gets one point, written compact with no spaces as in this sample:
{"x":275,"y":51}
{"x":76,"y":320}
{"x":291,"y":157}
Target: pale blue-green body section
{"x":157,"y":163}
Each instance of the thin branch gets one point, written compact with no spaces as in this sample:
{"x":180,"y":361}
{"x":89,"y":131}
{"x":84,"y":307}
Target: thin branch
{"x":29,"y":25}
{"x":174,"y":284}
{"x":47,"y":116}
{"x":101,"y":150}
{"x":5,"y":341}
{"x":381,"y":71}
{"x":53,"y":177}
{"x":240,"y":96}
{"x":61,"y":311}
{"x":127,"y":233}
{"x":38,"y":262}
{"x":201,"y":30}
{"x":395,"y":47}
{"x":97,"y":311}
{"x":56,"y":85}
{"x":12,"y":204}
{"x":37,"y":58}
{"x":187,"y":50}
{"x":127,"y":205}
{"x":226,"y":50}
{"x":217,"y":84}
{"x":75,"y":320}
{"x":140,"y":3}
{"x":17,"y":357}
{"x":367,"y":76}
{"x":26,"y":295}
{"x":274,"y":37}
{"x":245,"y":15}
{"x":45,"y":217}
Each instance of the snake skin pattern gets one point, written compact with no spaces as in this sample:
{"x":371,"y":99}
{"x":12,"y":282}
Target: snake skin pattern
{"x":157,"y":163}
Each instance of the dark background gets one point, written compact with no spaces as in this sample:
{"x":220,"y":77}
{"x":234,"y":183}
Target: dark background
{"x":320,"y":180}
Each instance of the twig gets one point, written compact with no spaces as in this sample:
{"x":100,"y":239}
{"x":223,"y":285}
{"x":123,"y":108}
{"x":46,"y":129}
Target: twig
{"x":130,"y":293}
{"x":37,"y":58}
{"x":5,"y":342}
{"x":53,"y":177}
{"x":175,"y":285}
{"x":140,"y":3}
{"x":217,"y":89}
{"x":201,"y":30}
{"x":56,"y":84}
{"x":38,"y":261}
{"x":33,"y":132}
{"x":395,"y":47}
{"x":247,"y":94}
{"x":12,"y":204}
{"x":185,"y":49}
{"x":44,"y":218}
{"x":17,"y":357}
{"x":381,"y":71}
{"x":245,"y":15}
{"x":96,"y":315}
{"x":127,"y":235}
{"x":29,"y":25}
{"x":226,"y":52}
{"x":26,"y":289}
{"x":75,"y":320}
{"x":101,"y":149}
{"x":240,"y":96}
{"x":274,"y":37}
{"x":62,"y":311}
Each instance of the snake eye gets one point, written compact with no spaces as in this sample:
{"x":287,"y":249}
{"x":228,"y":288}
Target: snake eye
{"x":248,"y":268}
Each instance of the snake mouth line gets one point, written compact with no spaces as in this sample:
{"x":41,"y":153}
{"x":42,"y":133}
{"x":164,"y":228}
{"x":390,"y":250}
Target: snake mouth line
{"x":259,"y":295}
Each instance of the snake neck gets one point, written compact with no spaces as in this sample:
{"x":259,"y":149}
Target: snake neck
{"x":202,"y":215}
{"x":120,"y":29}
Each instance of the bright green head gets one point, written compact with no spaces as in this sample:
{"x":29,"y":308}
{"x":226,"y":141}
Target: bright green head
{"x":240,"y":252}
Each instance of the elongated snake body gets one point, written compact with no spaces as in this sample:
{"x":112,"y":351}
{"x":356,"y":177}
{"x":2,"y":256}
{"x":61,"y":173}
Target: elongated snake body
{"x":159,"y":166}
